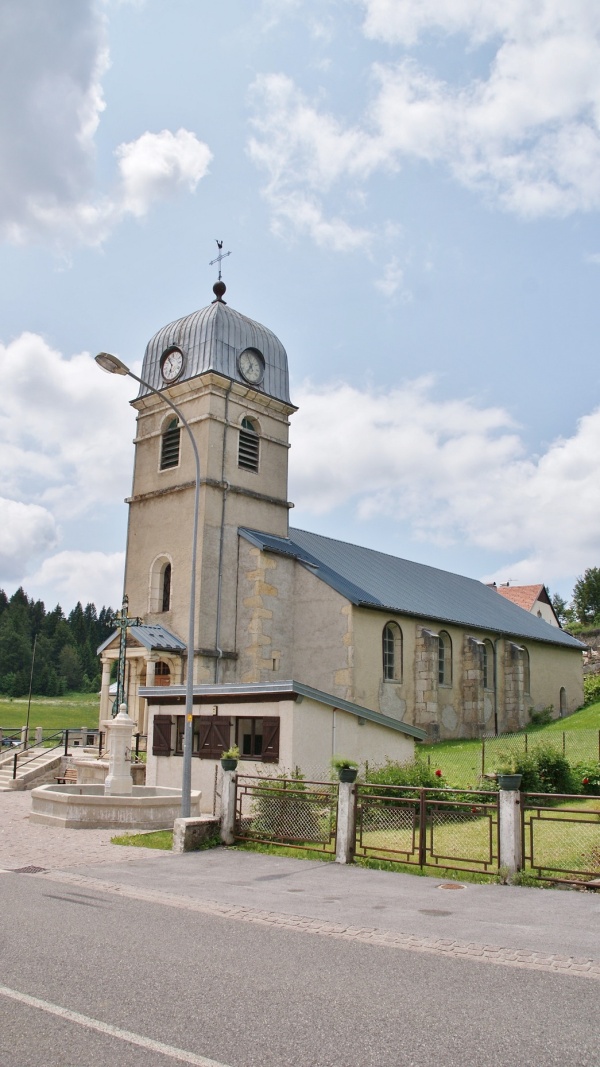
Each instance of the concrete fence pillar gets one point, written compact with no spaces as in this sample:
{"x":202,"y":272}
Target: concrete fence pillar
{"x":345,"y":841}
{"x":24,"y":733}
{"x":39,"y":735}
{"x":228,"y":807}
{"x":510,"y":830}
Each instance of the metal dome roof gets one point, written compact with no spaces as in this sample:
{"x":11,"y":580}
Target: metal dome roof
{"x":212,"y":340}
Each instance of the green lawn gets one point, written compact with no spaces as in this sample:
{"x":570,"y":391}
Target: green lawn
{"x":51,"y":713}
{"x":462,"y":764}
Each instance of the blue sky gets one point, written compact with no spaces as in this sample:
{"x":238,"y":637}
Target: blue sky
{"x":410,"y":190}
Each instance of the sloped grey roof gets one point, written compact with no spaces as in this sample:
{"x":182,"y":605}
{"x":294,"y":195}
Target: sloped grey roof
{"x":375,"y":580}
{"x":154,"y":638}
{"x":212,"y":339}
{"x":252,"y":691}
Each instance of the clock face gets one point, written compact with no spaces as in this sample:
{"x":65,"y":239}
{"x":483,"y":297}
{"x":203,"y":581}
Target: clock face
{"x":252,"y":366}
{"x":171,"y":364}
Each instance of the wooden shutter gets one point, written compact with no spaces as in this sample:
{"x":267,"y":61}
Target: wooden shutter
{"x":161,"y":737}
{"x":270,"y":747}
{"x":214,"y":736}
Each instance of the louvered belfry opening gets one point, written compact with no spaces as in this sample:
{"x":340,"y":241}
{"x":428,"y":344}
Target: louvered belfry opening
{"x":248,"y":449}
{"x":169,"y":453}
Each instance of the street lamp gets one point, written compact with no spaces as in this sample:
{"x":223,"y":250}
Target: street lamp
{"x":115,"y":366}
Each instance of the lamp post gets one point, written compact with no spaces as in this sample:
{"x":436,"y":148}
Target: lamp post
{"x":113,"y":365}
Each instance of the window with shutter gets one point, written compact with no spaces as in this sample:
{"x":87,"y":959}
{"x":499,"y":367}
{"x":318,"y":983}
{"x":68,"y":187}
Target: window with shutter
{"x":161,"y":737}
{"x":270,"y":752}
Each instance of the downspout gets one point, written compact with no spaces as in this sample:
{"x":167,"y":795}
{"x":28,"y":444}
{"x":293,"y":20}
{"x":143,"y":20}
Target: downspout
{"x":225,"y":485}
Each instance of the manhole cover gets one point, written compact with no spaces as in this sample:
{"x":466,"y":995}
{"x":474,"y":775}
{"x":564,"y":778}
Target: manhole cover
{"x":28,"y":870}
{"x":451,"y":885}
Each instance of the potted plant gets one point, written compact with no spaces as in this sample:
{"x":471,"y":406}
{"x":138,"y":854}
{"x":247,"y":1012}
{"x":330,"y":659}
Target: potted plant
{"x":229,"y":758}
{"x":346,"y":769}
{"x":509,"y":777}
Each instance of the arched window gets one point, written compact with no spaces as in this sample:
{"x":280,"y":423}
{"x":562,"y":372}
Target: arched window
{"x":392,"y":652}
{"x":562,"y":701}
{"x":160,"y":585}
{"x":169,"y":445}
{"x":526,"y":672}
{"x":488,"y":665}
{"x":166,"y":588}
{"x":162,"y":673}
{"x":444,"y":659}
{"x":248,"y":447}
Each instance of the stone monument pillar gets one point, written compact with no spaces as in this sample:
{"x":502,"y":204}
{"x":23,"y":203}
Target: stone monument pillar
{"x":119,"y":781}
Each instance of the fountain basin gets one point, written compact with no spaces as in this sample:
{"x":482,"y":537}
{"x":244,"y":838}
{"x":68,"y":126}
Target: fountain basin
{"x":85,"y":807}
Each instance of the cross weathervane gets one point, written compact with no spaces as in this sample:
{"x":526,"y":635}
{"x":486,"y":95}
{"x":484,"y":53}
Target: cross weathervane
{"x":122,"y":623}
{"x":219,"y":259}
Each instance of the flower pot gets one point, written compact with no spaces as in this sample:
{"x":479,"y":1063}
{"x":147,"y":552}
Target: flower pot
{"x":229,"y":764}
{"x":509,"y":781}
{"x":347,"y":774}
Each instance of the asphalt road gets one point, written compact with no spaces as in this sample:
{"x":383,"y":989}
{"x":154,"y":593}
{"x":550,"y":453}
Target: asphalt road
{"x":92,"y":979}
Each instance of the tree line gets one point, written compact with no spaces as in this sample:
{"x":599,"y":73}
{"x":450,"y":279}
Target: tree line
{"x":65,"y":646}
{"x":584,"y":610}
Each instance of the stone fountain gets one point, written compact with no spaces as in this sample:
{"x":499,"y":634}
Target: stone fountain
{"x":118,"y":803}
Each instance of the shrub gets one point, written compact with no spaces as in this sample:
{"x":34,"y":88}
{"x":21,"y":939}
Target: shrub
{"x":545,"y":770}
{"x":415,"y":774}
{"x":591,"y":689}
{"x":543,"y":717}
{"x":587,"y":775}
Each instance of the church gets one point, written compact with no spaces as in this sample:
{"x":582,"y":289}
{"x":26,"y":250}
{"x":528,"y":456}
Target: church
{"x":305,"y":646}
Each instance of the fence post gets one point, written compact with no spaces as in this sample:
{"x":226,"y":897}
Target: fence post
{"x":482,"y":756}
{"x":228,"y":807}
{"x":66,"y":742}
{"x":345,"y":841}
{"x":510,"y":830}
{"x":24,"y":737}
{"x":39,"y":735}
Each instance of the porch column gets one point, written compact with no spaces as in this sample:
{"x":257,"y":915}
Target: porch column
{"x":104,"y":694}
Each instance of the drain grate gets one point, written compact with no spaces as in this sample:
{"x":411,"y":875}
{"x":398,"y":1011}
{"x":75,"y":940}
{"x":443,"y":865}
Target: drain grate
{"x":451,"y":885}
{"x":28,"y":870}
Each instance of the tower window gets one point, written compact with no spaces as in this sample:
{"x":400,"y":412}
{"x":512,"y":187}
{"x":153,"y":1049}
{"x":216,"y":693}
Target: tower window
{"x":169,"y":451}
{"x":248,"y":448}
{"x":488,"y":665}
{"x":166,"y":588}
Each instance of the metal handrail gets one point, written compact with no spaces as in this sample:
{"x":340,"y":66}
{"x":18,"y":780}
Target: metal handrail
{"x":63,"y":735}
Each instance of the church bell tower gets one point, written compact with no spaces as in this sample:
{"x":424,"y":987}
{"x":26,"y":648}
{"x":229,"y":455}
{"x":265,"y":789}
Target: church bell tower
{"x":229,"y":377}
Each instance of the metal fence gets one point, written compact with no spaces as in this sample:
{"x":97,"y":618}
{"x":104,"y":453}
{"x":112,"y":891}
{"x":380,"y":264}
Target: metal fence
{"x":464,"y":763}
{"x":286,"y":811}
{"x":561,"y":837}
{"x":449,"y":829}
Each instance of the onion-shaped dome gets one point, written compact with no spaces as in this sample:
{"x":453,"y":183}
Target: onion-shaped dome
{"x":218,"y":339}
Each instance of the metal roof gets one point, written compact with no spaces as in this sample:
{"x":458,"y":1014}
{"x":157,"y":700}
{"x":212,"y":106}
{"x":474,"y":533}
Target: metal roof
{"x":376,"y":580}
{"x":211,"y":340}
{"x":271,"y":690}
{"x":154,"y":638}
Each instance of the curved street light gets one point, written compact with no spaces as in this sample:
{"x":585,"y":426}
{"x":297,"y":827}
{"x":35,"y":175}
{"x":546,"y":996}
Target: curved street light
{"x":113,"y":365}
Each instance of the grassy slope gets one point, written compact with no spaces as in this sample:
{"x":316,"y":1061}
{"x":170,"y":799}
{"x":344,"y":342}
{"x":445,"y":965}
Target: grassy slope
{"x":60,"y":713}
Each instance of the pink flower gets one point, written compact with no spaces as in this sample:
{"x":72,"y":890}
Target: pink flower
{"x":438,"y":773}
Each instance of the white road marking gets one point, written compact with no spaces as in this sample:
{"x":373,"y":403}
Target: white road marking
{"x":113,"y":1031}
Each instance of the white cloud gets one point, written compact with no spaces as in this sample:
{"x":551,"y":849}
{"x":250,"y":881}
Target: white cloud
{"x":52,"y":60}
{"x":91,"y":577}
{"x":526,"y":133}
{"x":26,"y":530}
{"x":64,"y":428}
{"x":454,"y":471}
